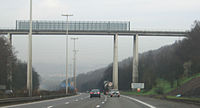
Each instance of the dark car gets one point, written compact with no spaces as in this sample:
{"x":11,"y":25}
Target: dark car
{"x":95,"y":93}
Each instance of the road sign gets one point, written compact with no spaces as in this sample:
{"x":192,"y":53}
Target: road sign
{"x":110,"y":84}
{"x":137,"y":85}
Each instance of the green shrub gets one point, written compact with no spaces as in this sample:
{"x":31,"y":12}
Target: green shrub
{"x":159,"y":90}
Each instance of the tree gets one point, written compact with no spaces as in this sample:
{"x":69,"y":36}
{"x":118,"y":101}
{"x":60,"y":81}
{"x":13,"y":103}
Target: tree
{"x":6,"y":56}
{"x":9,"y":61}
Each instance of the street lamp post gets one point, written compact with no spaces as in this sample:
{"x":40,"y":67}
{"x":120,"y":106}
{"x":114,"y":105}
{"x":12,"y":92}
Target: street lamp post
{"x":29,"y":65}
{"x":75,"y":52}
{"x":67,"y":27}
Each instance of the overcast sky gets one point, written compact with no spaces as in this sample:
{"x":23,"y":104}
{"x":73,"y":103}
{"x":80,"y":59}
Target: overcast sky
{"x":96,"y":51}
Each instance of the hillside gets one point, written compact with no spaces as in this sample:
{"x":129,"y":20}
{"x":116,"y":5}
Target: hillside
{"x":90,"y":80}
{"x":188,"y":89}
{"x":167,"y":64}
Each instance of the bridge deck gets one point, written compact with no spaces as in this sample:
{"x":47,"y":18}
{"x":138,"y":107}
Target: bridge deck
{"x":126,"y":33}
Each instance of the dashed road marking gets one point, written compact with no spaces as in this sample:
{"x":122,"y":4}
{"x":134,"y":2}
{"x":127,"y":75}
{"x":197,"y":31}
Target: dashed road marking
{"x":67,"y":103}
{"x":105,"y":98}
{"x":98,"y":106}
{"x":102,"y":102}
{"x":49,"y":106}
{"x":139,"y":101}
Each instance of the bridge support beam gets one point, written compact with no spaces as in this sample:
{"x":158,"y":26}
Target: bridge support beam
{"x":9,"y":76}
{"x":135,"y":59}
{"x":115,"y":62}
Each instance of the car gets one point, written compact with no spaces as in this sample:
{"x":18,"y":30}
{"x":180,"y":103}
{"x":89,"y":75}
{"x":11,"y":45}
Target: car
{"x":9,"y":92}
{"x":114,"y":93}
{"x":95,"y":93}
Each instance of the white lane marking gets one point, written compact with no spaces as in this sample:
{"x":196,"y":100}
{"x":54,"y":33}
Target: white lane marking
{"x":40,"y":102}
{"x":67,"y":103}
{"x":139,"y":101}
{"x":105,"y":98}
{"x":49,"y":106}
{"x":76,"y":100}
{"x":86,"y":97}
{"x":98,"y":106}
{"x":102,"y":102}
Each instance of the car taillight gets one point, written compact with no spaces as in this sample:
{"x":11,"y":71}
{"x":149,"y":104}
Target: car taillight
{"x":91,"y":93}
{"x":98,"y":92}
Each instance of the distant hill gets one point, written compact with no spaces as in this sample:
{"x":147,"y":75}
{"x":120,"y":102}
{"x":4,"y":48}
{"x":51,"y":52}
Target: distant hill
{"x":90,"y":80}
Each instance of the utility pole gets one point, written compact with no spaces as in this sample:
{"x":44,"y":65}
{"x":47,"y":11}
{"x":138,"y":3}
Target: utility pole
{"x":29,"y":65}
{"x":71,"y":75}
{"x":75,"y":52}
{"x":67,"y":28}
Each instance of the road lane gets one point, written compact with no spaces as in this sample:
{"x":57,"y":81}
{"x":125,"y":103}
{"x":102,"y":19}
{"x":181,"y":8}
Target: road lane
{"x":84,"y":101}
{"x":159,"y":103}
{"x":144,"y":102}
{"x":80,"y":101}
{"x":139,"y":101}
{"x":122,"y":102}
{"x":45,"y":103}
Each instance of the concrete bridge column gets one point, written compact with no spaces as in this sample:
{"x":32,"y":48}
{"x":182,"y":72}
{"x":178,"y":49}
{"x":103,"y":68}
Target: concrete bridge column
{"x":135,"y":59}
{"x":115,"y":62}
{"x":9,"y":76}
{"x":10,"y":38}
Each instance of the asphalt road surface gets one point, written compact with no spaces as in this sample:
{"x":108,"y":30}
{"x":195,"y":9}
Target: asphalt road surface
{"x":84,"y":101}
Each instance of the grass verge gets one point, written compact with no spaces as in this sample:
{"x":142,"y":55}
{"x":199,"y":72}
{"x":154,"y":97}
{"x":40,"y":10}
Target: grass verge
{"x":184,"y":99}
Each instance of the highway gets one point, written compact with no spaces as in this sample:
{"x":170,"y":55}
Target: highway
{"x":84,"y":101}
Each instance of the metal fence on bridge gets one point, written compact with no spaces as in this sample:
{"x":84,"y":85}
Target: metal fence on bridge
{"x":74,"y":25}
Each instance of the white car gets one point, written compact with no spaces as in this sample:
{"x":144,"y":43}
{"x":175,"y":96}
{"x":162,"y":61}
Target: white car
{"x":114,"y":93}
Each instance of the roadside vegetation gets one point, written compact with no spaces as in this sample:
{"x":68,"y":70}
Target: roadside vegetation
{"x":10,"y":63}
{"x":162,"y":87}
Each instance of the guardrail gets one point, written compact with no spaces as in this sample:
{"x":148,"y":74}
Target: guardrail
{"x":29,"y":99}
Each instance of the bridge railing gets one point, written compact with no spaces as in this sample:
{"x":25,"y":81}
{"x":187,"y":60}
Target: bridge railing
{"x":74,"y":25}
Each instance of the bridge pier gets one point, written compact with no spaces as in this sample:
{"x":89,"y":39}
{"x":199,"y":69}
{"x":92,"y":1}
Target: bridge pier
{"x":115,"y":62}
{"x":9,"y":76}
{"x":135,"y":59}
{"x":10,"y":38}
